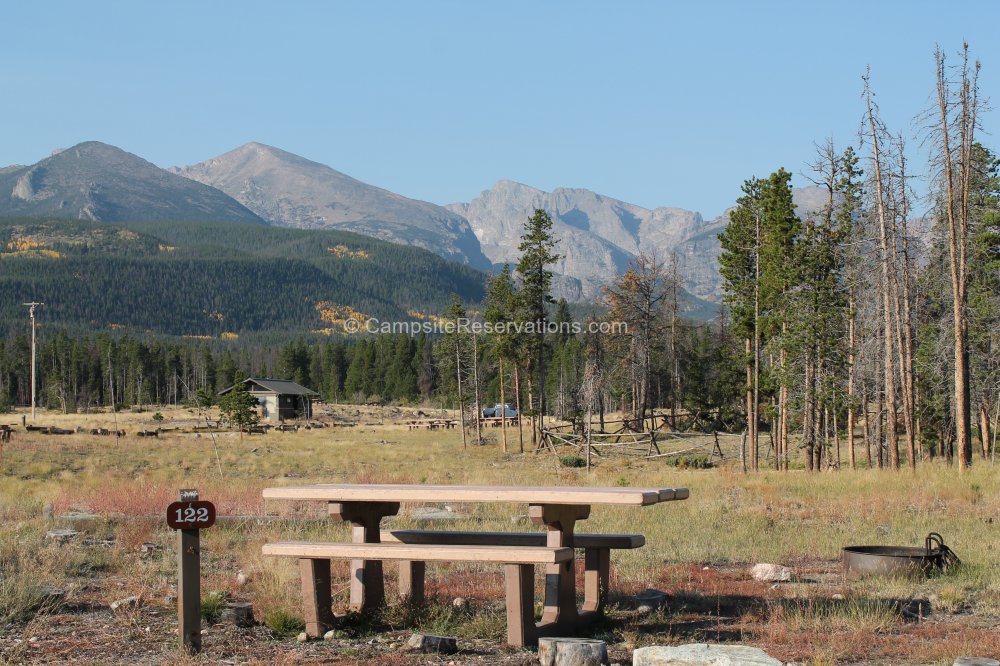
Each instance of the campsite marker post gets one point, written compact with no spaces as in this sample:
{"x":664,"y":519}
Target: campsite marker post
{"x":189,"y":516}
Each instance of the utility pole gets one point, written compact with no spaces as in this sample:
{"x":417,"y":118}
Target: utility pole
{"x":31,"y":313}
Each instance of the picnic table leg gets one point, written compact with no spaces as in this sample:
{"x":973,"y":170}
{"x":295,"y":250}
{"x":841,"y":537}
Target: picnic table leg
{"x":519,"y":579}
{"x":316,"y":600}
{"x":411,"y":580}
{"x":560,"y":610}
{"x":596,"y":576}
{"x":367,"y":583}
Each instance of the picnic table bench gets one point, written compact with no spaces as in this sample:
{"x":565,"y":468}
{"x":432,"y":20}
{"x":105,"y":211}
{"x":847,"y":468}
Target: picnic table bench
{"x":557,"y":508}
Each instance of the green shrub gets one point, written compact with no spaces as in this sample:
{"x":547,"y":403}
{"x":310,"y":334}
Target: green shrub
{"x":572,"y":461}
{"x":211,"y":606}
{"x":283,"y":623}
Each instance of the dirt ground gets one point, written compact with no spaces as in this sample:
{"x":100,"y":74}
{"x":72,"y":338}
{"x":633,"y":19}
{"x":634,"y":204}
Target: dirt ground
{"x":56,"y":595}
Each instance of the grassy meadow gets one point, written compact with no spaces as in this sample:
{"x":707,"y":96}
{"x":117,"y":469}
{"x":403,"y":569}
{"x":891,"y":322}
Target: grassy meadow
{"x":55,"y":597}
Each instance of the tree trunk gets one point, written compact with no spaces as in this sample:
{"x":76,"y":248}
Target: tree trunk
{"x":517,"y":400}
{"x":475,"y":382}
{"x":984,"y":429}
{"x":808,"y":441}
{"x":461,"y":400}
{"x":851,"y":342}
{"x":531,"y":408}
{"x":751,"y":421}
{"x":957,"y":235}
{"x":892,"y":441}
{"x":868,"y":441}
{"x":503,"y":411}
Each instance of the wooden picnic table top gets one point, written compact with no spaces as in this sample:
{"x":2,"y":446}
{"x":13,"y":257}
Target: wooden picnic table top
{"x":575,"y":495}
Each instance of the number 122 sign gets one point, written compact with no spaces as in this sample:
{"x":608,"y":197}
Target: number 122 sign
{"x":191,"y":515}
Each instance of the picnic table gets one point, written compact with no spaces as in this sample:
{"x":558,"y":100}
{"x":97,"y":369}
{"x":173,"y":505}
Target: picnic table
{"x":432,"y":424}
{"x":497,"y":421}
{"x":557,"y":508}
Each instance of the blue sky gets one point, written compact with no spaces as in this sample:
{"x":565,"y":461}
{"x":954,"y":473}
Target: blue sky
{"x":657,"y":103}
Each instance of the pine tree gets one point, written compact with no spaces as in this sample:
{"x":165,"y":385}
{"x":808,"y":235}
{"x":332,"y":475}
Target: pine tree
{"x":537,"y":255}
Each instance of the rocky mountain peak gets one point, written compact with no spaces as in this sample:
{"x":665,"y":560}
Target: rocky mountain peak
{"x":289,"y":190}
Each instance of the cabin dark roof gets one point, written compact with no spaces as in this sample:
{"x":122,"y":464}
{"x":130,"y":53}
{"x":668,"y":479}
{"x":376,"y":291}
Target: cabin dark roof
{"x":279,"y":386}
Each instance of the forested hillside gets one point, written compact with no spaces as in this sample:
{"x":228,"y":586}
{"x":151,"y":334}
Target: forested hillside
{"x":214,"y":279}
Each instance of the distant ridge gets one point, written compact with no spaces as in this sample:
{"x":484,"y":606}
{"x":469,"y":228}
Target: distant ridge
{"x":597,"y":235}
{"x":288,"y":190}
{"x":95,"y":181}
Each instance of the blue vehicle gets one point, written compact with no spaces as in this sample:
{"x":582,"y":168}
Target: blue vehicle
{"x":497,"y":410}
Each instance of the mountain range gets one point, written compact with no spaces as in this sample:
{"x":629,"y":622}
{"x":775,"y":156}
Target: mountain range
{"x":596,"y":235}
{"x":291,"y":191}
{"x":95,"y":181}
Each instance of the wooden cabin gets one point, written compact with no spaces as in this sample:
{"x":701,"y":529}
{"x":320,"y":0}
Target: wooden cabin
{"x":279,"y":399}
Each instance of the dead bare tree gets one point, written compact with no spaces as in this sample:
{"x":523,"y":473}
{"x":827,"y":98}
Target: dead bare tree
{"x":956,"y":121}
{"x":876,"y":132}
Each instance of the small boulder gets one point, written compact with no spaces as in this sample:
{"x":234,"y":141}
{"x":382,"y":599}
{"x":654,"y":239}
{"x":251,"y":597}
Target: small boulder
{"x":61,"y":535}
{"x":330,"y":635}
{"x":302,"y":637}
{"x":242,"y":578}
{"x":126,"y":604}
{"x":555,"y":651}
{"x":460,"y":603}
{"x":652,"y":598}
{"x":702,"y":654}
{"x":148,"y":549}
{"x":432,"y":644}
{"x":771,"y":573}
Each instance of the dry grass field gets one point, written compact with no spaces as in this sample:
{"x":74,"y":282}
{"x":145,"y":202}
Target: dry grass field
{"x":55,"y":596}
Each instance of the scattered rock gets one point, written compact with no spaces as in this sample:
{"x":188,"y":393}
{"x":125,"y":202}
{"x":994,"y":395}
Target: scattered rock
{"x":556,"y":651}
{"x":149,"y":548}
{"x":80,"y":517}
{"x":432,"y":514}
{"x":702,"y":654}
{"x":61,"y":535}
{"x":652,"y":598}
{"x":771,"y":573}
{"x":975,"y":661}
{"x":53,"y":597}
{"x":433,"y":644}
{"x":838,"y":597}
{"x":330,"y":635}
{"x":242,"y":578}
{"x":239,"y":613}
{"x":302,"y":638}
{"x":644,"y":609}
{"x":128,"y":603}
{"x":460,"y":602}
